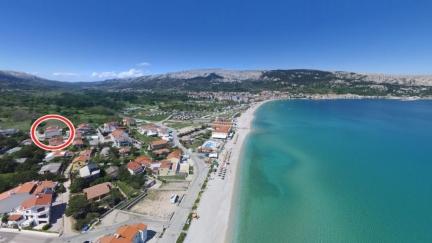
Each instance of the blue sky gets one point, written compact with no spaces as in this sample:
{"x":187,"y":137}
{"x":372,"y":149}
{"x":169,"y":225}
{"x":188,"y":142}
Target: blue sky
{"x":93,"y":40}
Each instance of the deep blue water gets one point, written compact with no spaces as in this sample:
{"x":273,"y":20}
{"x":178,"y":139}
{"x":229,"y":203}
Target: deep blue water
{"x":337,"y":171}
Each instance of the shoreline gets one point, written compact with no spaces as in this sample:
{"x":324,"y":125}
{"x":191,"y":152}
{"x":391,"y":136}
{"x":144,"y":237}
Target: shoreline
{"x":216,"y":209}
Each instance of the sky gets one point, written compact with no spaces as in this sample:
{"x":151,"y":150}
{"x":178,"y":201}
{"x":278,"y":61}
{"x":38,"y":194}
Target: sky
{"x":85,"y":40}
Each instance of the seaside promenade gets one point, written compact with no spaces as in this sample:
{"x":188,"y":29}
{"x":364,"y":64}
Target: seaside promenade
{"x":215,"y":209}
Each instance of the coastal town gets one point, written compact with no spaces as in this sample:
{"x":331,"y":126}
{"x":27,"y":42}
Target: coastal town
{"x":132,"y":179}
{"x":151,"y":174}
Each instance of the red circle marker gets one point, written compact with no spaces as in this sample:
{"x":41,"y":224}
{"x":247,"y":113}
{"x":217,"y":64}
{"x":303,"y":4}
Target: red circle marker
{"x":63,"y":119}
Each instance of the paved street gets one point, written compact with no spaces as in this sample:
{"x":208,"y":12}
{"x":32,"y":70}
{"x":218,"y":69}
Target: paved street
{"x":23,"y":237}
{"x":175,"y":226}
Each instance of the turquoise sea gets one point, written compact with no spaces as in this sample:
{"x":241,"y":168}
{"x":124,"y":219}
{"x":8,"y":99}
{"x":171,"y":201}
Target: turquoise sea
{"x":337,"y":171}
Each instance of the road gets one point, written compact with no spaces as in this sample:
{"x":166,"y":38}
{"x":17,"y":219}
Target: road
{"x":67,"y":228}
{"x":175,"y":226}
{"x":21,"y":237}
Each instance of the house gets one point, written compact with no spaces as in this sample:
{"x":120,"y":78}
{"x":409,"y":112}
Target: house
{"x":184,"y":168}
{"x":110,"y":127}
{"x":163,"y":133}
{"x":52,"y":131}
{"x":175,"y":156}
{"x":53,"y":168}
{"x":84,"y":128}
{"x":124,"y":151}
{"x":134,"y":168}
{"x":26,"y":142}
{"x":105,"y":152}
{"x":148,"y":129}
{"x":134,"y":233}
{"x":120,"y":138}
{"x":15,"y":220}
{"x":165,"y":168}
{"x":8,"y":132}
{"x":158,"y":144}
{"x":89,"y":170}
{"x":36,"y":209}
{"x":138,"y":165}
{"x":112,"y":171}
{"x":128,"y":121}
{"x":15,"y":196}
{"x":98,"y":191}
{"x":20,"y":160}
{"x":221,"y":131}
{"x":55,"y":141}
{"x":45,"y":186}
{"x":143,"y":160}
{"x":13,"y":150}
{"x":81,"y":160}
{"x":78,"y":141}
{"x":57,"y":154}
{"x":161,"y":152}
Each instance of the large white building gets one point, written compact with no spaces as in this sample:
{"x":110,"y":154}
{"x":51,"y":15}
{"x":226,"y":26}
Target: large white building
{"x":35,"y":210}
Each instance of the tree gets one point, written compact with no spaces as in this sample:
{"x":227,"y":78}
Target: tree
{"x":78,"y":184}
{"x":60,"y":188}
{"x":5,"y":218}
{"x":78,"y":207}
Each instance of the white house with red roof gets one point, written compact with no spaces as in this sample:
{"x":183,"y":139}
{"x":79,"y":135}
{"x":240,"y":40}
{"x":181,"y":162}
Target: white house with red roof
{"x":35,"y":210}
{"x":134,"y":233}
{"x":138,"y":165}
{"x":120,"y":138}
{"x":11,"y":199}
{"x":52,"y":131}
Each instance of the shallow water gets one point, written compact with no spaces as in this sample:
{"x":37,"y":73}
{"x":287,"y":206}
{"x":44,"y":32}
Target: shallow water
{"x":337,"y":171}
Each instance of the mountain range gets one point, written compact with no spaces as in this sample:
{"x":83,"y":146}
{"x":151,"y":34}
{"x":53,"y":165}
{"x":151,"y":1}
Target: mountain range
{"x":231,"y":80}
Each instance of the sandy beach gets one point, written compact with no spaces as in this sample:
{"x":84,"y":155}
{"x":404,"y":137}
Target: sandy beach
{"x":215,"y":207}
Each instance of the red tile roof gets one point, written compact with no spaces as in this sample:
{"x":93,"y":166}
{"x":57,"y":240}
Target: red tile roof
{"x":161,"y":151}
{"x":119,"y":134}
{"x":78,"y":141}
{"x":31,"y":187}
{"x":177,"y":153}
{"x":134,"y":166}
{"x":124,"y":234}
{"x":222,"y":128}
{"x":55,"y":141}
{"x":159,"y":142}
{"x":166,"y":164}
{"x":27,"y":187}
{"x":37,"y":200}
{"x":143,"y":160}
{"x":84,"y":156}
{"x":43,"y":185}
{"x":98,"y":190}
{"x":15,"y":217}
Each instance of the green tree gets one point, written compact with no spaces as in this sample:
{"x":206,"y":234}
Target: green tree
{"x":78,"y":184}
{"x":78,"y":207}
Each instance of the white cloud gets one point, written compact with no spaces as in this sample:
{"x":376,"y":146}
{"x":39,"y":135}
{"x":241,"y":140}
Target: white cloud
{"x":131,"y":73}
{"x":143,"y":64}
{"x":65,"y":74}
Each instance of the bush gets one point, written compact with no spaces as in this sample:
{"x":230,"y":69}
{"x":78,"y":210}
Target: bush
{"x":78,"y":184}
{"x":60,"y":188}
{"x":78,"y":207}
{"x":46,"y":227}
{"x":181,"y":238}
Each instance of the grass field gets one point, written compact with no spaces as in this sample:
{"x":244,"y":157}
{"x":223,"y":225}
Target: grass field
{"x":128,"y":190}
{"x":178,"y":125}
